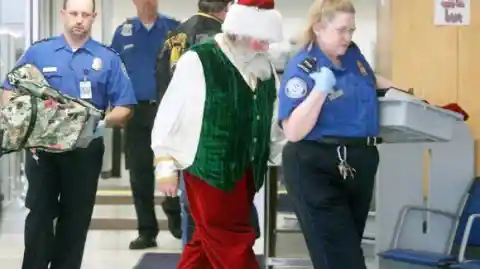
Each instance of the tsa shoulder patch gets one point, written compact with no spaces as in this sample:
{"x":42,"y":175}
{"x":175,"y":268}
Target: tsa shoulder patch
{"x":308,"y":65}
{"x":127,"y":28}
{"x":296,"y":88}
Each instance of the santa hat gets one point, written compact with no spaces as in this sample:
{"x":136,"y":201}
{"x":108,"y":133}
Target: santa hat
{"x":256,"y":19}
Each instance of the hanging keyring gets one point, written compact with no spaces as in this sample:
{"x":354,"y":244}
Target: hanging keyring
{"x":343,"y":167}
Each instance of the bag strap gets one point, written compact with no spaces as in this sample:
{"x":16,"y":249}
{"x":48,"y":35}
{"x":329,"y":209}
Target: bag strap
{"x":33,"y":120}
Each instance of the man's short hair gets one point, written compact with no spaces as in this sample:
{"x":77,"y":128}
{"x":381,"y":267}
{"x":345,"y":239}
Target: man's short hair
{"x":65,"y":2}
{"x":213,"y":6}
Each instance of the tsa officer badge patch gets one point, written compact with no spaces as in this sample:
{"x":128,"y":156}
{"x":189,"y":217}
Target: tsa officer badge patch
{"x":296,"y":88}
{"x":97,"y":64}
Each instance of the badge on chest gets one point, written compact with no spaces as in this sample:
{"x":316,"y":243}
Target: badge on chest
{"x":337,"y":93}
{"x":85,"y":89}
{"x":97,"y":64}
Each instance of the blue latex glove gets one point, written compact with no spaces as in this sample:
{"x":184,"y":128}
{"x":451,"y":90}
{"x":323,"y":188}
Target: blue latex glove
{"x":99,"y":130}
{"x":324,"y":80}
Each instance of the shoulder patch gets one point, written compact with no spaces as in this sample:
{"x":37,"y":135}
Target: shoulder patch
{"x":177,"y":45}
{"x":126,"y":29}
{"x":296,"y":88}
{"x":308,"y":65}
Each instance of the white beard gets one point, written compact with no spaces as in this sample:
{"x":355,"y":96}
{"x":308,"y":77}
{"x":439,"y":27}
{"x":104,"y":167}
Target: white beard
{"x":259,"y":67}
{"x":253,"y":63}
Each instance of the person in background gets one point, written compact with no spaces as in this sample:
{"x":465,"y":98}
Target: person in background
{"x":138,"y":40}
{"x":201,"y":26}
{"x":328,"y":108}
{"x":215,"y":124}
{"x":63,"y":186}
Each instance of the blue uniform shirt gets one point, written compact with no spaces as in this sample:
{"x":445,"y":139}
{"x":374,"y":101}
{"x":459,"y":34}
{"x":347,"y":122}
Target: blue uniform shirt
{"x":94,"y":72}
{"x":138,"y":48}
{"x":350,"y":111}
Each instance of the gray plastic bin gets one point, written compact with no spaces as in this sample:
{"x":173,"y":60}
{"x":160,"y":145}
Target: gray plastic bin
{"x":409,"y":121}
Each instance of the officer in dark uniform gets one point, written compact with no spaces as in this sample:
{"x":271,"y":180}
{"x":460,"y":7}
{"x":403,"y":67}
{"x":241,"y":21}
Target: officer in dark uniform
{"x":63,"y":186}
{"x":138,"y":40}
{"x":203,"y":25}
{"x":328,"y":109}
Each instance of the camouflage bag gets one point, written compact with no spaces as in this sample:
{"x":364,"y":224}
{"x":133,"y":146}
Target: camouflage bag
{"x":40,"y":117}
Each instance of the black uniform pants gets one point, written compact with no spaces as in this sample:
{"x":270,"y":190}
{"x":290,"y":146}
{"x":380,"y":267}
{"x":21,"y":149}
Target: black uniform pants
{"x":332,"y":211}
{"x":62,"y":186}
{"x":140,"y":158}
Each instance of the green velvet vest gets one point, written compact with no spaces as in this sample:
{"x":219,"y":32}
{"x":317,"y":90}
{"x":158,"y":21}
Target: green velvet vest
{"x":235,"y":134}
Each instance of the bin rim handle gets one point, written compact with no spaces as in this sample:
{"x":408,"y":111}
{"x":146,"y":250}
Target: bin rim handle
{"x":455,"y":115}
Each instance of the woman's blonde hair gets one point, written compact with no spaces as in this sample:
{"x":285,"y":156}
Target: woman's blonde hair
{"x":320,"y":11}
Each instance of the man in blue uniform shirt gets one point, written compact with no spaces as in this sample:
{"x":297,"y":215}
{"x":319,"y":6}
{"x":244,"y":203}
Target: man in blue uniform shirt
{"x":63,"y":186}
{"x":138,"y":40}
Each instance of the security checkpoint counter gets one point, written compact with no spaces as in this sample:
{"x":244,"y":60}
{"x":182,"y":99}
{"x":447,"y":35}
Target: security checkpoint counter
{"x":426,"y":160}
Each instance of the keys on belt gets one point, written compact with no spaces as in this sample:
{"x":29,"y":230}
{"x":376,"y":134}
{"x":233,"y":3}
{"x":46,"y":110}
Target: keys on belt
{"x":351,"y":141}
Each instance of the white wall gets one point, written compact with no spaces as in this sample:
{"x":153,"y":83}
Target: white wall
{"x":12,"y":17}
{"x":293,"y":11}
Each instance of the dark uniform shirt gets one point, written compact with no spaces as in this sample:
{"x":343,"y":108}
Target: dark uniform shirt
{"x":197,"y":28}
{"x":138,"y":46}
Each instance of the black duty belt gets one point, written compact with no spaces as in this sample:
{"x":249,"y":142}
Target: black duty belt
{"x":147,"y":102}
{"x":351,"y":141}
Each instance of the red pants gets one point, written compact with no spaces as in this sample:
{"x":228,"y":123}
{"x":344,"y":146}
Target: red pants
{"x":223,"y":236}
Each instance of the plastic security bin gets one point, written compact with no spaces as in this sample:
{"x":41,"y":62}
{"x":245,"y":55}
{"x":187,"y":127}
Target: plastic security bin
{"x":409,"y":121}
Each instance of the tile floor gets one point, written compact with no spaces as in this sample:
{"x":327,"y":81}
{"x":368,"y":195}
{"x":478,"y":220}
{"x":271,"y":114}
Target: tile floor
{"x":109,"y":249}
{"x":104,"y":249}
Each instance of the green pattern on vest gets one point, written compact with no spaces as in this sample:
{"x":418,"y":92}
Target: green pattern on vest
{"x":235,"y":134}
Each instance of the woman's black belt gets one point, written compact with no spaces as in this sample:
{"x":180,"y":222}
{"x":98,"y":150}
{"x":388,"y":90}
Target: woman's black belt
{"x":351,"y":141}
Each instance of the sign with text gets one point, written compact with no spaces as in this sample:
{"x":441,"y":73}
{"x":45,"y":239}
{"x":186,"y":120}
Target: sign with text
{"x":452,"y":12}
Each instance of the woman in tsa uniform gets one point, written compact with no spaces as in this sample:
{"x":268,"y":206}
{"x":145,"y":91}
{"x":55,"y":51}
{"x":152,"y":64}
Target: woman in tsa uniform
{"x":329,"y":114}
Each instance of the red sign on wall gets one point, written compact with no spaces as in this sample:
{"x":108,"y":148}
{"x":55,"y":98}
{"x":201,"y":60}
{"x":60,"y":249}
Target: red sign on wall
{"x":452,"y":12}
